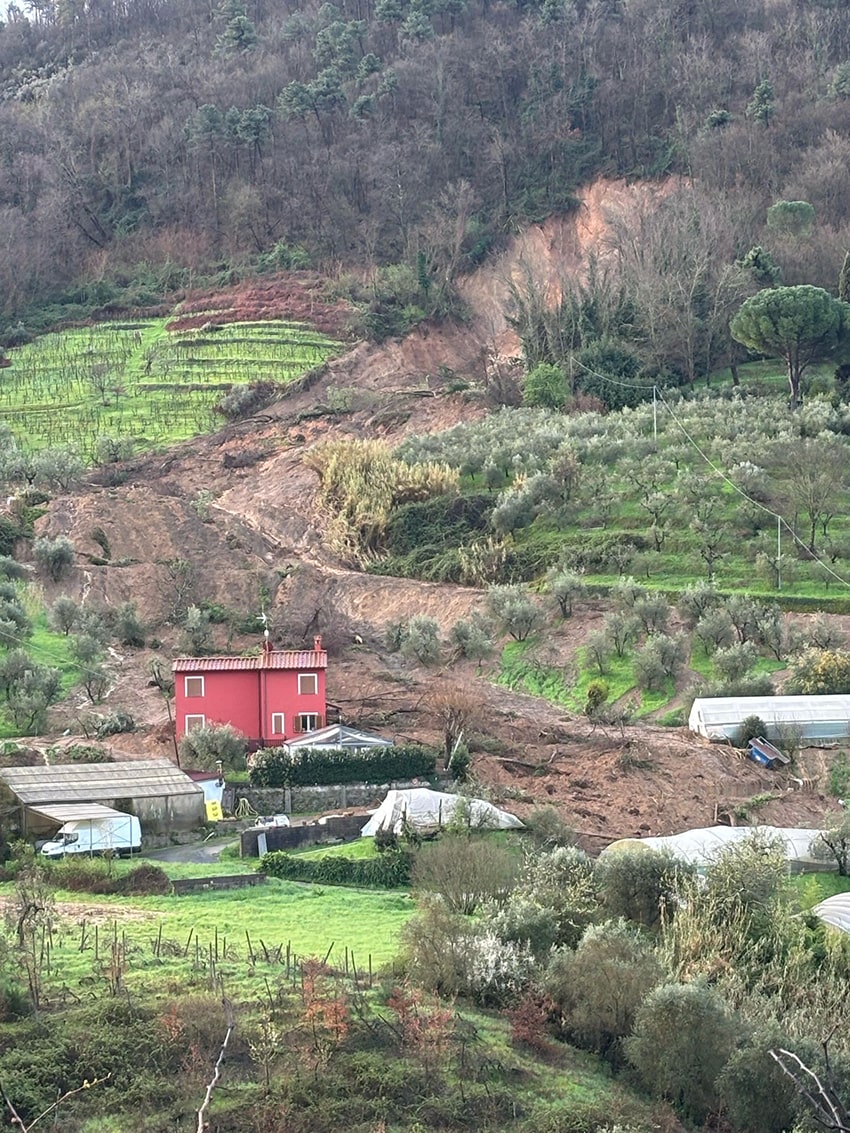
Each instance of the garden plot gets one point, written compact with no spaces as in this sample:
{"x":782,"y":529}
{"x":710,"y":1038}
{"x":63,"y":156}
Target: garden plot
{"x":141,"y":381}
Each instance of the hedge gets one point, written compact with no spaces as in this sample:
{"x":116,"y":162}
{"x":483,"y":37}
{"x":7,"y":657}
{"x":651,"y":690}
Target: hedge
{"x":390,"y":870}
{"x":274,"y":767}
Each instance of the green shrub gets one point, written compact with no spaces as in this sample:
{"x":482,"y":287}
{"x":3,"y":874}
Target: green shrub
{"x":839,"y":776}
{"x":55,"y":555}
{"x":438,"y":523}
{"x":204,"y":748}
{"x":599,"y":987}
{"x":820,"y":672}
{"x":274,"y":767}
{"x":145,"y":879}
{"x":246,"y":400}
{"x":10,"y":533}
{"x":109,"y":724}
{"x":9,"y":568}
{"x":683,"y":1037}
{"x":597,"y":693}
{"x":422,"y":640}
{"x":546,"y":387}
{"x":548,"y":829}
{"x":641,"y":886}
{"x":390,"y":870}
{"x":752,"y":728}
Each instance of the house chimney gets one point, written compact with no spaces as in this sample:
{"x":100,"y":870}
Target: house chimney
{"x":317,"y":643}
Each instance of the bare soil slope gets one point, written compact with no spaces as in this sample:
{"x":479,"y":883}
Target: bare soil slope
{"x":231,"y":519}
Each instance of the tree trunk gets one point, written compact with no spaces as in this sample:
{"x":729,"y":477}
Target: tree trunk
{"x":794,"y":383}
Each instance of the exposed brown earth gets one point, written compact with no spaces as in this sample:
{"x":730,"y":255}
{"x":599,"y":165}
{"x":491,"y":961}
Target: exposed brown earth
{"x":240,"y":507}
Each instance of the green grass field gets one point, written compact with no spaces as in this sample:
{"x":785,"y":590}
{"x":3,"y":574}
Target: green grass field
{"x":815,"y":887}
{"x":142,"y":381}
{"x":241,"y":937}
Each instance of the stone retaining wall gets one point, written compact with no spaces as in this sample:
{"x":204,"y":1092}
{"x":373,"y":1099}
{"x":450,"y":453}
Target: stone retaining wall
{"x":315,"y":800}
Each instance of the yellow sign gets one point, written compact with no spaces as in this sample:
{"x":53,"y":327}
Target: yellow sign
{"x":214,"y":813}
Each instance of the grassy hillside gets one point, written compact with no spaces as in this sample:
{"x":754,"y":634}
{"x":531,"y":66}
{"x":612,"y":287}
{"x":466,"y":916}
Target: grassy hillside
{"x":709,"y":484}
{"x":143,"y":382}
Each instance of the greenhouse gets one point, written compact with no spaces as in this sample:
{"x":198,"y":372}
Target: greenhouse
{"x":703,"y":846}
{"x":835,"y":911}
{"x":816,"y":718}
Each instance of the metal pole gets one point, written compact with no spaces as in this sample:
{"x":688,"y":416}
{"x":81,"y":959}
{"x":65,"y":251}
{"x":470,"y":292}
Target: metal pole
{"x":778,"y":553}
{"x":654,"y":418}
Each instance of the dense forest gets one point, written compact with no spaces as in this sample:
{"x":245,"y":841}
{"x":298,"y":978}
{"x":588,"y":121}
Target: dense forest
{"x":146,"y":142}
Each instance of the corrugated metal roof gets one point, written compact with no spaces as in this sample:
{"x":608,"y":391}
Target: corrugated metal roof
{"x":90,"y":782}
{"x":277,"y":659}
{"x":77,"y":812}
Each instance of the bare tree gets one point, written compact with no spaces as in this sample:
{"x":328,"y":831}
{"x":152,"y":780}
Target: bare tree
{"x":456,"y":710}
{"x":819,"y":1091}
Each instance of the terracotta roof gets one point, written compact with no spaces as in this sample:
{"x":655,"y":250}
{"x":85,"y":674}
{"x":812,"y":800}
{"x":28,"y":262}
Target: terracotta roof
{"x":276,"y":659}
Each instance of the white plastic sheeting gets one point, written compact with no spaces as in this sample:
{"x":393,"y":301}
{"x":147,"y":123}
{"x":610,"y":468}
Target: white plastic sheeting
{"x":425,"y":810}
{"x":817,"y":717}
{"x":835,"y":911}
{"x":701,"y":847}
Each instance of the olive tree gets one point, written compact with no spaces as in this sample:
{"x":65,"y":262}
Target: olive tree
{"x":514,"y":610}
{"x":833,"y":843}
{"x":683,"y":1037}
{"x":599,"y":987}
{"x":55,"y":555}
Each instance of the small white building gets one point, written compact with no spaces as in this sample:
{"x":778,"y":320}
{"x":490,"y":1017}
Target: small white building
{"x":817,"y":718}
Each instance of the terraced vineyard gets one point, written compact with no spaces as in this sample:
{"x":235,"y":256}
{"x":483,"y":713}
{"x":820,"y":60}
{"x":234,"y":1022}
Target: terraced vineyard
{"x":143,"y":381}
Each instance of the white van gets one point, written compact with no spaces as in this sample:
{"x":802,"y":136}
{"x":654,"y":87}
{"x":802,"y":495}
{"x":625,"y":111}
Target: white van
{"x":120,"y":835}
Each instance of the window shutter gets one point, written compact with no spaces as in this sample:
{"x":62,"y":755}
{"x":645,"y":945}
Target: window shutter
{"x":319,"y":721}
{"x":296,"y":726}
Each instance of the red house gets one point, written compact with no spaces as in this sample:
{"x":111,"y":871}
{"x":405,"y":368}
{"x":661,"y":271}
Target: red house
{"x":268,"y":698}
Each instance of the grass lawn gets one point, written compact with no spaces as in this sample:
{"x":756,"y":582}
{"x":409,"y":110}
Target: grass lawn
{"x":361,"y":849}
{"x":815,"y":887}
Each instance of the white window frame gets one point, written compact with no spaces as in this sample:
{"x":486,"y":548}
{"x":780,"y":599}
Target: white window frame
{"x":194,"y":720}
{"x":314,"y":678}
{"x":302,"y":716}
{"x":279,"y":716}
{"x":193,"y":695}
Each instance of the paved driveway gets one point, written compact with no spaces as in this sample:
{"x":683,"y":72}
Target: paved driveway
{"x":205,"y":852}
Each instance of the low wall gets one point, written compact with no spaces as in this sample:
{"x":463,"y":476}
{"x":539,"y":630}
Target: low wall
{"x":231,"y":881}
{"x":315,"y":800}
{"x":340,"y":828}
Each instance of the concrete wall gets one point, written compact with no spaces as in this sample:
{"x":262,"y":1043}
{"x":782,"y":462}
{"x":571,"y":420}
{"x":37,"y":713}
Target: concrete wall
{"x":337,"y":829}
{"x":168,"y":814}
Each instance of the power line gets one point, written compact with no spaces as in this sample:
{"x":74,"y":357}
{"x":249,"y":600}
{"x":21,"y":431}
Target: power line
{"x":780,"y":519}
{"x":762,"y":507}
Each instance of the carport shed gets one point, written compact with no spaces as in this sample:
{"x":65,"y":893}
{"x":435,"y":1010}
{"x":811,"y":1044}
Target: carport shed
{"x":161,"y":796}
